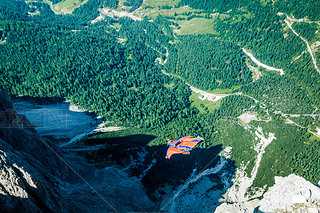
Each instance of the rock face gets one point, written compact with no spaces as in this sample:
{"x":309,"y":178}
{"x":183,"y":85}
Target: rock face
{"x":288,"y":194}
{"x":36,"y":176}
{"x":291,"y":194}
{"x":243,"y":207}
{"x":23,"y":184}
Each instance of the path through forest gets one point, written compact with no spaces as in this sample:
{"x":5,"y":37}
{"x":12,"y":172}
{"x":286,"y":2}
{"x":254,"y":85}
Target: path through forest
{"x":215,"y":97}
{"x":289,"y":24}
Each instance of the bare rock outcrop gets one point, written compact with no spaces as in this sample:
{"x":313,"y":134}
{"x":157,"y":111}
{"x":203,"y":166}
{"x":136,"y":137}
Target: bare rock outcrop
{"x":25,"y":184}
{"x":36,"y":176}
{"x":289,"y":194}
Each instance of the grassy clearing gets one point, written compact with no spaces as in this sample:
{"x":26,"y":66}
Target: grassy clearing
{"x":224,"y":91}
{"x":197,"y":26}
{"x":153,"y":13}
{"x":264,"y":2}
{"x":156,"y":3}
{"x":186,"y":27}
{"x":169,"y":86}
{"x":66,"y":6}
{"x":203,"y":106}
{"x":121,"y":6}
{"x":116,"y":26}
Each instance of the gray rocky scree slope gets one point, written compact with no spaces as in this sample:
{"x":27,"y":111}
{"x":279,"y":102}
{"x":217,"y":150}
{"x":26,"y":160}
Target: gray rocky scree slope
{"x":35,"y":177}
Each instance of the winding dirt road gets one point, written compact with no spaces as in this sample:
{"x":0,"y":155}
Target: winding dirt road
{"x":289,"y":24}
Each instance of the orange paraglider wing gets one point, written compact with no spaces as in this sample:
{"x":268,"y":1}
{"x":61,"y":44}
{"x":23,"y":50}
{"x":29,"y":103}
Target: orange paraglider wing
{"x":182,"y":146}
{"x":172,"y":150}
{"x":186,"y":138}
{"x":190,"y":142}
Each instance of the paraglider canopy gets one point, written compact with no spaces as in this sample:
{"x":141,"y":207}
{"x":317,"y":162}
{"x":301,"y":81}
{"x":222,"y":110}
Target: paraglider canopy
{"x":182,"y":146}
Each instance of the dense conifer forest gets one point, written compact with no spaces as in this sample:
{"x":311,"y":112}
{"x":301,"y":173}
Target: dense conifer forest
{"x":92,"y":69}
{"x":208,"y":63}
{"x":112,"y":67}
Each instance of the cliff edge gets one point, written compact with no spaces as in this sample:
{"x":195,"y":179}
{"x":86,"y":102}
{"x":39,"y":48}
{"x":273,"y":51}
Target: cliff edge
{"x":36,"y":176}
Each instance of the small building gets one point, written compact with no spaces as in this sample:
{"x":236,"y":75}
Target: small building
{"x":211,"y":98}
{"x":202,"y":97}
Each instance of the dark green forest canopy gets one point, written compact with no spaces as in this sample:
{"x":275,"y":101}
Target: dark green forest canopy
{"x":297,"y":8}
{"x":257,"y":26}
{"x":300,"y":8}
{"x":208,"y":63}
{"x":266,"y":36}
{"x":306,"y":163}
{"x":114,"y":73}
{"x":9,"y":14}
{"x":306,"y":30}
{"x":134,"y":4}
{"x":18,"y":10}
{"x":92,"y":69}
{"x":281,"y":94}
